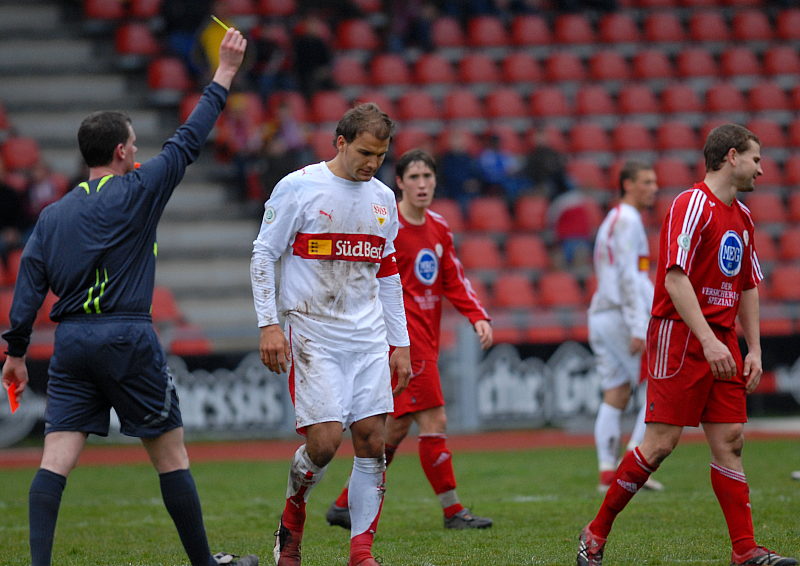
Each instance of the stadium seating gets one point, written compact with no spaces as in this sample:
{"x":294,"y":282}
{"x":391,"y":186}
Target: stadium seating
{"x":768,"y":96}
{"x":479,"y":252}
{"x":560,"y":289}
{"x":277,"y":8}
{"x":530,"y":30}
{"x":680,"y":97}
{"x":527,"y":251}
{"x":349,"y":71}
{"x":594,"y":99}
{"x":751,"y":25}
{"x":461,"y":104}
{"x":418,"y":104}
{"x":446,"y":32}
{"x":608,"y":64}
{"x":788,"y":24}
{"x":328,"y":106}
{"x":781,"y":60}
{"x":618,"y":27}
{"x":165,"y":308}
{"x":783,"y":283}
{"x":478,"y":68}
{"x":708,"y":25}
{"x":389,"y":69}
{"x":135,"y":44}
{"x":572,"y":29}
{"x":637,"y":99}
{"x":488,"y":214}
{"x":520,"y":67}
{"x":513,"y":290}
{"x":694,"y":62}
{"x":663,"y":26}
{"x":168,"y":80}
{"x":676,"y":135}
{"x":564,"y":66}
{"x":589,"y":136}
{"x":451,"y":211}
{"x":549,"y":101}
{"x":486,"y":31}
{"x":739,"y":61}
{"x":356,"y":34}
{"x":789,"y":245}
{"x":652,"y":64}
{"x":19,"y":153}
{"x":432,"y":68}
{"x":530,"y":213}
{"x":631,"y":136}
{"x":725,"y":97}
{"x":505,"y":102}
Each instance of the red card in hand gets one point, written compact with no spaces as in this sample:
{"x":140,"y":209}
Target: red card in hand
{"x":12,"y":398}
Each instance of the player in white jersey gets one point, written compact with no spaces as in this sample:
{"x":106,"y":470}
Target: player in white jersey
{"x":330,"y":227}
{"x":619,"y":313}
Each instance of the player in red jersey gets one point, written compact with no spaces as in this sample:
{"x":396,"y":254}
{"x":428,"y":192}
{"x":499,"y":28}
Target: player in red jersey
{"x":708,"y":273}
{"x":429,"y":270}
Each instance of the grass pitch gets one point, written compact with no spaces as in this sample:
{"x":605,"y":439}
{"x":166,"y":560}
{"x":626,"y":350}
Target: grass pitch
{"x":539,"y":500}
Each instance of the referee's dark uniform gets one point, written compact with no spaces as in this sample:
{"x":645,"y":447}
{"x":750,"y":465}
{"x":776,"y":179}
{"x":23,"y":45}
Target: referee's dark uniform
{"x":96,"y":249}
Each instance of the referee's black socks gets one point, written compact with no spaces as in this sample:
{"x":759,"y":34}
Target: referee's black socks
{"x":183,"y":504}
{"x":44,"y":499}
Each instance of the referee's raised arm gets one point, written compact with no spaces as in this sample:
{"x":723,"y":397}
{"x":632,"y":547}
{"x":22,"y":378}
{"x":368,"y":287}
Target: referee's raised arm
{"x":231,"y":54}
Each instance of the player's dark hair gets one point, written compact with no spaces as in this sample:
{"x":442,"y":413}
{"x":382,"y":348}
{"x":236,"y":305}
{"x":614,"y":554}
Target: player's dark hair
{"x":723,"y":138}
{"x":99,"y":135}
{"x":366,"y":117}
{"x":629,"y":171}
{"x":412,"y":156}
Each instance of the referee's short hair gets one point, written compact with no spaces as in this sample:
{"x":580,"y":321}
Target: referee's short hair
{"x":629,"y":171}
{"x":99,"y":135}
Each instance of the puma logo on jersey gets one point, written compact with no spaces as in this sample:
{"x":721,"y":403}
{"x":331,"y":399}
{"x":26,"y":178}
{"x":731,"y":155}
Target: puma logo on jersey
{"x":328,"y":214}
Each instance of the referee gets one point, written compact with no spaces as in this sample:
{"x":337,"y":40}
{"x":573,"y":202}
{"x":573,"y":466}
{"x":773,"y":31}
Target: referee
{"x":96,"y":249}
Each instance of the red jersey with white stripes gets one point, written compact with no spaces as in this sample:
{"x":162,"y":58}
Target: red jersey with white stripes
{"x":712,"y":243}
{"x":429,"y":269}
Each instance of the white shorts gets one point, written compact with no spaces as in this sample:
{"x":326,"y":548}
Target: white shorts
{"x":330,"y":385}
{"x":610,"y":341}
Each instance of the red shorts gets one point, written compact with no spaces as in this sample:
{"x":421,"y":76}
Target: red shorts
{"x":424,"y":389}
{"x":681,"y":389}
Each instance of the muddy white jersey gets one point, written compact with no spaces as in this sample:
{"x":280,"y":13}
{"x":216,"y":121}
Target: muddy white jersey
{"x":621,"y":264}
{"x":332,"y":238}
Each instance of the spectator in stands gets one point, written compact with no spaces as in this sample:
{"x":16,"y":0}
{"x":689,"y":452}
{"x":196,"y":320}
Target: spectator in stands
{"x":44,"y":188}
{"x":183,"y":20}
{"x":272,"y":61}
{"x":410,"y":25}
{"x":286,"y":148}
{"x":240,"y":140}
{"x":545,"y":169}
{"x":313,"y":56}
{"x":13,"y":220}
{"x":457,"y":170}
{"x":499,"y":170}
{"x":573,"y":219}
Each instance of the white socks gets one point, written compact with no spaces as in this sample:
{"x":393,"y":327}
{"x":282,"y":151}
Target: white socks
{"x":607,"y":433}
{"x":365,"y":497}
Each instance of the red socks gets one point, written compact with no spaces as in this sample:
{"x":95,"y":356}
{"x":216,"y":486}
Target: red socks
{"x":631,"y":474}
{"x":733,"y":495}
{"x":437,"y":463}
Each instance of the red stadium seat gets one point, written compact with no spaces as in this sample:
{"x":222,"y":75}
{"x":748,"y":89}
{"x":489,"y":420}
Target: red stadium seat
{"x":505,"y":102}
{"x":663,"y":26}
{"x":588,"y":136}
{"x":791,"y":175}
{"x":594,"y":99}
{"x":789,"y":245}
{"x":564,"y":66}
{"x":788,"y":24}
{"x":637,"y":99}
{"x":378,"y":97}
{"x":674,"y":134}
{"x":432,"y":68}
{"x":571,"y":29}
{"x":410,"y":138}
{"x":751,"y":25}
{"x":696,"y":62}
{"x":766,"y":248}
{"x":486,"y":31}
{"x":772,"y":177}
{"x":618,"y":27}
{"x":631,"y":136}
{"x":349,"y":71}
{"x":738,"y":61}
{"x":461,"y":104}
{"x":587,"y":174}
{"x":6,"y":298}
{"x":103,"y":10}
{"x":145,"y":9}
{"x":794,"y":132}
{"x":488,"y":214}
{"x":549,"y":101}
{"x":293,"y":99}
{"x":527,"y":251}
{"x":356,"y":34}
{"x":321,"y":142}
{"x":680,"y":97}
{"x":135,"y":42}
{"x":187,"y":104}
{"x":781,"y":60}
{"x":652,"y":64}
{"x":530,"y":213}
{"x":768,"y":131}
{"x":460,"y":138}
{"x":19,"y":153}
{"x":768,"y":96}
{"x":783,"y":283}
{"x":521,"y":67}
{"x":530,"y":30}
{"x":189,"y":340}
{"x":560,"y":289}
{"x":168,"y":80}
{"x":165,"y":309}
{"x":239,"y":7}
{"x":447,"y":32}
{"x":725,"y":97}
{"x":369,"y":6}
{"x":277,"y":8}
{"x":418,"y":104}
{"x":608,"y":64}
{"x":477,"y":68}
{"x":513,"y":290}
{"x":389,"y":69}
{"x":12,"y":267}
{"x":479,"y":252}
{"x":328,"y":106}
{"x":766,"y":207}
{"x":510,"y":140}
{"x":673,"y":173}
{"x":708,"y":25}
{"x":451,"y":211}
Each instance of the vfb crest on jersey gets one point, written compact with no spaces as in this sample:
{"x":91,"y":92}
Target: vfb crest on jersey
{"x":426,"y":266}
{"x":731,"y":250}
{"x":381,"y":213}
